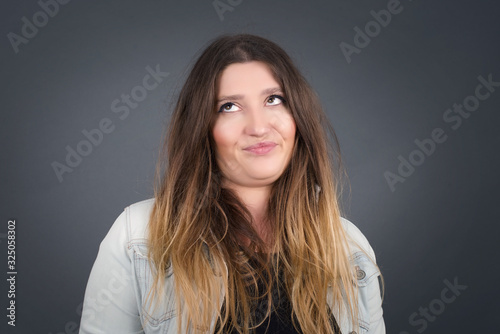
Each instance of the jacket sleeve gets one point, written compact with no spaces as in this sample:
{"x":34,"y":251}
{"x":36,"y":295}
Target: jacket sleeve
{"x":110,"y":304}
{"x":370,"y":292}
{"x":374,"y":303}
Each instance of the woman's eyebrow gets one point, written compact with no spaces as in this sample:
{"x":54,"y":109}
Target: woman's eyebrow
{"x":236,"y":97}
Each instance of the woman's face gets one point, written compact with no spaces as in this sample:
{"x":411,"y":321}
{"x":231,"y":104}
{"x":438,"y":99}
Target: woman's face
{"x":251,"y":110}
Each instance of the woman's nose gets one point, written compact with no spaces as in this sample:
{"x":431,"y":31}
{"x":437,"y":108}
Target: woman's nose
{"x":257,"y":122}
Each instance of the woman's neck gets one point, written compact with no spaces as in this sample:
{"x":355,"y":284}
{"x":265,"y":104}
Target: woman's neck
{"x":256,"y":200}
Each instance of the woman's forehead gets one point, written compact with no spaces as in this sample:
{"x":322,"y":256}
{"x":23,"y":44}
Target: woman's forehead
{"x":251,"y":76}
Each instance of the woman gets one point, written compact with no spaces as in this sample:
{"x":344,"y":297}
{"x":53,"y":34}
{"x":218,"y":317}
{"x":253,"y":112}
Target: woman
{"x":244,"y":233}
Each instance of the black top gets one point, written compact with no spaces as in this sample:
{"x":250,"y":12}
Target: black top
{"x":280,"y":319}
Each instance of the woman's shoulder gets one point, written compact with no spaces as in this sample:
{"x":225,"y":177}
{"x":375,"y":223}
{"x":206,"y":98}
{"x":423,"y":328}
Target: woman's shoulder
{"x":130,"y":226}
{"x":137,"y":215}
{"x":356,"y":239}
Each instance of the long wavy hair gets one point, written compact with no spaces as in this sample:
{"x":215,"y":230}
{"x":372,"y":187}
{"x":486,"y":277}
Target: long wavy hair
{"x":196,"y":226}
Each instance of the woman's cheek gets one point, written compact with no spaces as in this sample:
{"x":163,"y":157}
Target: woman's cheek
{"x":225,"y":134}
{"x":285,"y":125}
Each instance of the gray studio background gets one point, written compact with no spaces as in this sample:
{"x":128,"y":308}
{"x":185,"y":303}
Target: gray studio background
{"x":437,"y":228}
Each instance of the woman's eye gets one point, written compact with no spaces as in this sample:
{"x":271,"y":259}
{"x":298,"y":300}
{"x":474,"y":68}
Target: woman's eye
{"x":275,"y":100}
{"x":228,"y":107}
{"x":272,"y":100}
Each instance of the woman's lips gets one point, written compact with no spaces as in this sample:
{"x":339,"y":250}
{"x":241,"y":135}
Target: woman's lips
{"x":261,"y":148}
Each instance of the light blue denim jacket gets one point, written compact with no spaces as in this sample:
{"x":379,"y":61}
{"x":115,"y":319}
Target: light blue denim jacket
{"x":121,"y":277}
